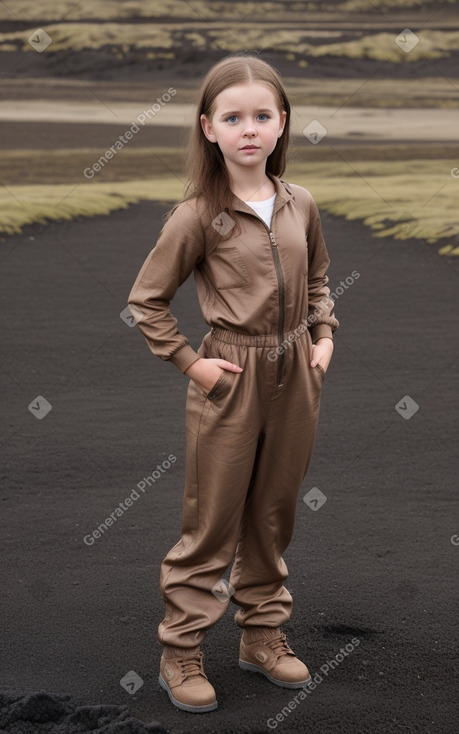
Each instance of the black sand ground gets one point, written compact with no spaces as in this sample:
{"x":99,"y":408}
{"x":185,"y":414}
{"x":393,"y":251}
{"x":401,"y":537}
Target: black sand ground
{"x":376,"y":562}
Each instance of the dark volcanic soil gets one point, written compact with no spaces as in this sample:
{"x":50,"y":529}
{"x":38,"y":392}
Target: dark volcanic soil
{"x":375,"y":563}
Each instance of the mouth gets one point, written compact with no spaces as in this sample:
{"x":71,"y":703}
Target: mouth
{"x":250,"y":147}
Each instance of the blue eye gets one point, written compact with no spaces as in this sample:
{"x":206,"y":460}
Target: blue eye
{"x":231,"y":118}
{"x":266,"y":117}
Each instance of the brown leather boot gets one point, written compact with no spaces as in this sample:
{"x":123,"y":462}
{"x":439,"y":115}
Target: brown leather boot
{"x":265,"y":650}
{"x":182,"y":676}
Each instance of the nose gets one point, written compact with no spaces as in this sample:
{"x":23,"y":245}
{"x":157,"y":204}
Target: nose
{"x":249,"y":129}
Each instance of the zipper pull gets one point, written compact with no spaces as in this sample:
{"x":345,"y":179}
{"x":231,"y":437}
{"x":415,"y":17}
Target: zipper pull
{"x":273,"y":241}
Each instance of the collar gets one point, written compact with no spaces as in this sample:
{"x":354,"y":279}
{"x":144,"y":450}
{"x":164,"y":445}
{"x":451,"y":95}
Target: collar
{"x":283,"y":195}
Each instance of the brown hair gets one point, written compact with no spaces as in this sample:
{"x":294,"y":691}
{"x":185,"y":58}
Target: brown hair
{"x":205,"y":167}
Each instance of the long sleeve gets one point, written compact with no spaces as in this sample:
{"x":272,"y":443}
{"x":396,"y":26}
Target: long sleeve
{"x":179,"y":248}
{"x":320,"y":305}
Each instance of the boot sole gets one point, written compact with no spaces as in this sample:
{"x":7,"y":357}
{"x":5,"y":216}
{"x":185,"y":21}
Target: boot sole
{"x":186,"y":706}
{"x":281,"y":683}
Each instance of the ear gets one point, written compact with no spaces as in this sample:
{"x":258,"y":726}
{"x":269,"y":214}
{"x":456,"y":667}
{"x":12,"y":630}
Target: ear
{"x":282,"y":123}
{"x":207,"y":129}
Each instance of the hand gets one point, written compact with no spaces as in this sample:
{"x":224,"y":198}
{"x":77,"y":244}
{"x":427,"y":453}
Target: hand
{"x":205,"y":372}
{"x":322,"y":352}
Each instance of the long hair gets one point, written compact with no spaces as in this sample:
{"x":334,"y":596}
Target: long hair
{"x":207,"y":175}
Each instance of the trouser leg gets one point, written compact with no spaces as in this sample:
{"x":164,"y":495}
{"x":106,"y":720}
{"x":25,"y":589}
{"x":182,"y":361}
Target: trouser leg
{"x":221,"y":432}
{"x":268,"y":520}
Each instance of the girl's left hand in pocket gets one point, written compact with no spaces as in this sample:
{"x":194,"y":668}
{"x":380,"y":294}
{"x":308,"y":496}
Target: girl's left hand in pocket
{"x":322,"y":352}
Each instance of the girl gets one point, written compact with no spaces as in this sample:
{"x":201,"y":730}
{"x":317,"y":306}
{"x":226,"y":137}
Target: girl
{"x":255,"y":246}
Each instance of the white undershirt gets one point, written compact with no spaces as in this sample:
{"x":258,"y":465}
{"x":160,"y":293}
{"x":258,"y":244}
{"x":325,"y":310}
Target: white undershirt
{"x":264,"y":209}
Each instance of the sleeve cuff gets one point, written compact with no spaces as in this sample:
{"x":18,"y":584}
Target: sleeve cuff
{"x":184,"y":357}
{"x":321,"y":330}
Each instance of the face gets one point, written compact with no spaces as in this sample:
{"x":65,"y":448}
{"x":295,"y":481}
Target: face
{"x":246,"y":124}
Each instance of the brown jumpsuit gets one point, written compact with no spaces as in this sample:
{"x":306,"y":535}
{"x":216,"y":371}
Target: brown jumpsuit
{"x":249,"y":440}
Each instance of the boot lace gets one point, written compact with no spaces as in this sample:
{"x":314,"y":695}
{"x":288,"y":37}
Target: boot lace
{"x":191,"y":665}
{"x":279,"y":645}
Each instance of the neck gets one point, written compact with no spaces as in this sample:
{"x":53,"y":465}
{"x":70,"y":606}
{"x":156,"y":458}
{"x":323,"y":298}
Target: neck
{"x":250,"y":183}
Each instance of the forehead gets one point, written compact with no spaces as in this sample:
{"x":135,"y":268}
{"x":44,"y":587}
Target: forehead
{"x":253,"y":95}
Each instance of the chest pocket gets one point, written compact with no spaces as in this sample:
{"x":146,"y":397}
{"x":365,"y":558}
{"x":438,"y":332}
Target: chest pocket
{"x":229,"y":269}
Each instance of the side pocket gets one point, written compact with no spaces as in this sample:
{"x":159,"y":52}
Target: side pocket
{"x":226,"y":389}
{"x":218,"y":386}
{"x":318,"y":368}
{"x":321,"y":371}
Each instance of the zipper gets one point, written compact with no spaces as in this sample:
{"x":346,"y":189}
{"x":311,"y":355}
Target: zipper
{"x":281,"y":285}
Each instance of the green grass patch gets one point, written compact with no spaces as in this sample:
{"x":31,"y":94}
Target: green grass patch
{"x":30,"y":10}
{"x":79,"y":36}
{"x":382,"y":47}
{"x":24,"y":205}
{"x":103,"y":9}
{"x":378,"y":46}
{"x":404,"y":199}
{"x":196,"y":10}
{"x":123,"y":38}
{"x":365,"y":5}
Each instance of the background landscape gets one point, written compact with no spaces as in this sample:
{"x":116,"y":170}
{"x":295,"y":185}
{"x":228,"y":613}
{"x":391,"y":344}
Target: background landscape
{"x":88,"y":412}
{"x":389,"y":108}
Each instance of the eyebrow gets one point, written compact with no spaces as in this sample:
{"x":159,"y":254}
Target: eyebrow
{"x":237,"y":112}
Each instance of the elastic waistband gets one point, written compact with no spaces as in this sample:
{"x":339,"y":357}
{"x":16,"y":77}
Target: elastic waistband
{"x":252,"y":340}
